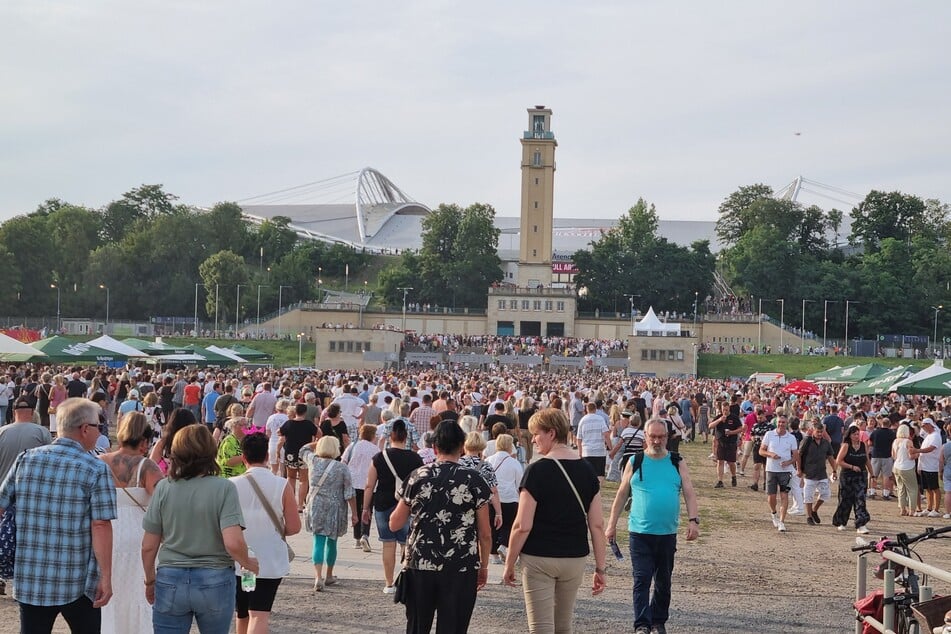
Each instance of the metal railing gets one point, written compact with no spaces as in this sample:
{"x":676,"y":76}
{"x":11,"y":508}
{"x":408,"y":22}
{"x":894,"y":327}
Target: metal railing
{"x":887,"y":624}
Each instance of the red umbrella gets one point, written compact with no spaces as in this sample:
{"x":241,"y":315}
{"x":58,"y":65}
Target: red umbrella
{"x":802,"y":388}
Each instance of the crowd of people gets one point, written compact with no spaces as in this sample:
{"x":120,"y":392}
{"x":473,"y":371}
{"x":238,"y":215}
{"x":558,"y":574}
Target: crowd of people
{"x":507,"y":468}
{"x":525,"y":345}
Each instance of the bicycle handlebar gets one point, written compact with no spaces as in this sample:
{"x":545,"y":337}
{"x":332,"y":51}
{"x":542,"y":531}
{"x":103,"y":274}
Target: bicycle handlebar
{"x":901,"y":539}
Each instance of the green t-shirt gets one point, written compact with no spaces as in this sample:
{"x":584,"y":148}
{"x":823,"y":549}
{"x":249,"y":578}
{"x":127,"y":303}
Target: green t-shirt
{"x":190,"y":515}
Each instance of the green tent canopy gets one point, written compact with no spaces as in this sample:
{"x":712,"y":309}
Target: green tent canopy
{"x":851,"y":374}
{"x":825,"y":375}
{"x":249,"y":353}
{"x":62,"y":350}
{"x":880,"y":384}
{"x":935,"y":380}
{"x":155,"y":347}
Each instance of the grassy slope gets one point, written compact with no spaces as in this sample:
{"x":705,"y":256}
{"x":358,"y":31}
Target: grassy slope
{"x":793,"y":366}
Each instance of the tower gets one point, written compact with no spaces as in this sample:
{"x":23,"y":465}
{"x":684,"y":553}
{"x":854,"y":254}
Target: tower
{"x":538,"y":184}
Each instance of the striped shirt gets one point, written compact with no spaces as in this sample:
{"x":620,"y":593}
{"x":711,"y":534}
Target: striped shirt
{"x":59,"y":490}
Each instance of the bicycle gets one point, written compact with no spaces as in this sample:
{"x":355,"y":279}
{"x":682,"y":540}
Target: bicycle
{"x":909,"y":603}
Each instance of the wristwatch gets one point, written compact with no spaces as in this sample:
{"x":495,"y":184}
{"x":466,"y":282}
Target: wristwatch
{"x":695,"y":520}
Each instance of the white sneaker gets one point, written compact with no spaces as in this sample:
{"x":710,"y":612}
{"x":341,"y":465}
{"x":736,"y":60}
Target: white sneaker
{"x":356,"y":543}
{"x":946,"y":516}
{"x":840,"y":528}
{"x":503,"y":552}
{"x":796,"y":512}
{"x":780,"y":527}
{"x":389,"y":589}
{"x":919,"y":514}
{"x":365,"y":544}
{"x":775,"y":519}
{"x":862,"y":530}
{"x":934,"y":514}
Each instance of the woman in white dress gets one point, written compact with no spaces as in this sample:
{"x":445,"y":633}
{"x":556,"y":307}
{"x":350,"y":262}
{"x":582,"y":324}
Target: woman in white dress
{"x":271,"y":427}
{"x":135,"y":477}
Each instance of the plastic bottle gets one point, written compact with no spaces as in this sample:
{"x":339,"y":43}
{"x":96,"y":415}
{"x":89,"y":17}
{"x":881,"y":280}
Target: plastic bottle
{"x":249,"y":580}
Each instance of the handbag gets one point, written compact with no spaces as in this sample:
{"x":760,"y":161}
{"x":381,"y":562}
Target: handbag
{"x":8,"y":533}
{"x":278,"y":525}
{"x":401,"y":587}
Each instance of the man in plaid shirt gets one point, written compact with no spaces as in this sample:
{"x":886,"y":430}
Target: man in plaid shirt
{"x":65,"y":501}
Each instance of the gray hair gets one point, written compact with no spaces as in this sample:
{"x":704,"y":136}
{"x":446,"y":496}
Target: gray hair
{"x":73,"y":413}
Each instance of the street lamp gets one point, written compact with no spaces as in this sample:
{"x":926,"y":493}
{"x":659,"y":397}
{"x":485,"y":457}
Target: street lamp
{"x":320,"y":275}
{"x":934,"y":346}
{"x":405,"y":289}
{"x":107,"y":301}
{"x":59,"y":323}
{"x":280,"y":289}
{"x":259,"y":306}
{"x":630,"y":298}
{"x":825,"y":321}
{"x":300,"y":348}
{"x":696,"y":296}
{"x":237,"y":308}
{"x":216,"y":310}
{"x":847,"y":302}
{"x":782,"y":323}
{"x":802,"y":332}
{"x":759,"y":328}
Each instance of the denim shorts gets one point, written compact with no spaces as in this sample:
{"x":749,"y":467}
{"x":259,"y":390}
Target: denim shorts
{"x":205,"y":595}
{"x":383,"y":527}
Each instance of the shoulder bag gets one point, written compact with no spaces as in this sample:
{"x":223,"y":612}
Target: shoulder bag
{"x":573,"y":489}
{"x":8,"y":533}
{"x":278,"y":525}
{"x":399,"y":483}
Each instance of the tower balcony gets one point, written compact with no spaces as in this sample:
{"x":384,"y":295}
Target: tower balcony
{"x":539,"y":134}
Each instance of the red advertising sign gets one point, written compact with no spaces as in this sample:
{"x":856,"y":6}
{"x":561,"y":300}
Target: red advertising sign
{"x":568,"y":268}
{"x":26,"y":335}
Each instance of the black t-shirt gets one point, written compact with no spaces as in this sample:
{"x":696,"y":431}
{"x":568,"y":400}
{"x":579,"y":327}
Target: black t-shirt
{"x":405,"y":462}
{"x":730,"y":423}
{"x":166,"y":393}
{"x":560,"y":527}
{"x":524,"y":415}
{"x":492,"y":419}
{"x":338,"y":429}
{"x":640,"y":405}
{"x":882,"y":439}
{"x":297,"y":433}
{"x":76,"y":389}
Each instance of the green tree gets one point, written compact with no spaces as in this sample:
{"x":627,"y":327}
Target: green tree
{"x":895,"y":215}
{"x":734,"y":218}
{"x":143,"y":203}
{"x":221,"y":273}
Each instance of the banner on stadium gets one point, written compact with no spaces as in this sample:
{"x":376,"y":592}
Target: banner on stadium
{"x":477,"y":359}
{"x":567,"y":362}
{"x":425,"y":357}
{"x":611,"y":362}
{"x":520,"y":359}
{"x":386,"y":357}
{"x":564,"y":268}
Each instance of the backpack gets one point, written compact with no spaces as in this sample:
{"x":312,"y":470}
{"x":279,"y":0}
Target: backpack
{"x":675,"y":459}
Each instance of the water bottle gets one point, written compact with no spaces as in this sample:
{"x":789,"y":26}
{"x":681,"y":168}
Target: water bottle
{"x":249,"y":580}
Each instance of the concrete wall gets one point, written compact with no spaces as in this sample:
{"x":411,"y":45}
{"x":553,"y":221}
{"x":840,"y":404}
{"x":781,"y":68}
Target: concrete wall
{"x":344,"y":348}
{"x":662,"y":356}
{"x":727,"y":334}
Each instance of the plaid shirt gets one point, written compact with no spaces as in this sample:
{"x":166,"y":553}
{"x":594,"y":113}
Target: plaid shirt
{"x":412,"y":436}
{"x":420,"y":418}
{"x":59,"y":490}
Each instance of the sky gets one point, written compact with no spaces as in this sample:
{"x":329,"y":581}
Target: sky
{"x":679,"y":103}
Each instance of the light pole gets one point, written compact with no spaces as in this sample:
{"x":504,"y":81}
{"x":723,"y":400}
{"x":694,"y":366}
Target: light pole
{"x":782,"y":323}
{"x":59,"y":323}
{"x":237,"y":308}
{"x":759,"y":328}
{"x":280,"y":289}
{"x":363,"y":301}
{"x":847,"y":302}
{"x":696,"y":296}
{"x":630,"y":298}
{"x":320,"y":275}
{"x":197,"y":284}
{"x":405,"y":289}
{"x":300,"y":348}
{"x":934,"y":346}
{"x":259,"y":305}
{"x":802,"y":332}
{"x":107,"y":302}
{"x":216,"y":310}
{"x":825,"y":321}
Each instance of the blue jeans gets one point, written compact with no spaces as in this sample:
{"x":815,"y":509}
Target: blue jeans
{"x":653,"y":560}
{"x":206,"y":595}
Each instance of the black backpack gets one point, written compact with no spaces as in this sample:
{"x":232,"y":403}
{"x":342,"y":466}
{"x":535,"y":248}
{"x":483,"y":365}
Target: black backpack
{"x":675,"y":459}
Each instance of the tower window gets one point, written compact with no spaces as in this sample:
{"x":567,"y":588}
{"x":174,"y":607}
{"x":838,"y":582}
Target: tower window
{"x":537,"y":159}
{"x":534,"y":228}
{"x":538,"y":123}
{"x":536,"y":204}
{"x":534,"y":252}
{"x":536,"y":181}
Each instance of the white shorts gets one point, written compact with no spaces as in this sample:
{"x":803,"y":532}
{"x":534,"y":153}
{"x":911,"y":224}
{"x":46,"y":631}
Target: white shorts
{"x":816,"y":486}
{"x":272,"y":457}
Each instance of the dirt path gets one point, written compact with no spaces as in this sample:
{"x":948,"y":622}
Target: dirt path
{"x":741,"y":576}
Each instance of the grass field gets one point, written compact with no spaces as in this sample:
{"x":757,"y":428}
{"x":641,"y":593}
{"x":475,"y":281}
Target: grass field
{"x":793,"y":366}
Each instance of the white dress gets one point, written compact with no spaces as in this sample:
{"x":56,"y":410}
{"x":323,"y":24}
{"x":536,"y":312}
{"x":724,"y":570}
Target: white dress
{"x":128,"y":611}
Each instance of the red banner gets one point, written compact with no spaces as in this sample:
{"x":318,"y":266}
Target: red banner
{"x":564,"y":267}
{"x":26,"y":335}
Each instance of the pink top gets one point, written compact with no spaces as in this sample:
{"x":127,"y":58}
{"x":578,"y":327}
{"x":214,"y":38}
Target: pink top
{"x":57,"y":395}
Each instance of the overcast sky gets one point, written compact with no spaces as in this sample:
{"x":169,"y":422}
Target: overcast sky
{"x":676,"y":102}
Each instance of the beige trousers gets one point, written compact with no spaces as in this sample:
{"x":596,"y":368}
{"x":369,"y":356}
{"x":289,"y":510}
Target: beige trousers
{"x":907,"y":482}
{"x":550,"y":585}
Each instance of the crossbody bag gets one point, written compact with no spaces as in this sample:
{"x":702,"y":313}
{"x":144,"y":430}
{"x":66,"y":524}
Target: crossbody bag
{"x":278,"y":525}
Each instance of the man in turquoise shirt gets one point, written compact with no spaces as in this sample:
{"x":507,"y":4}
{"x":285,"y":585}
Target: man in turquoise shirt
{"x":655,"y":491}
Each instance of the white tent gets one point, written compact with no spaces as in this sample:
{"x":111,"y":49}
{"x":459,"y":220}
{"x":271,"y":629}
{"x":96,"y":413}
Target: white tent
{"x":651,"y":326}
{"x":935,"y":369}
{"x":9,"y":345}
{"x":114,"y":345}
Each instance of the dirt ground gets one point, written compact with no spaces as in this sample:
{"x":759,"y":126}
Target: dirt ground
{"x":740,"y":576}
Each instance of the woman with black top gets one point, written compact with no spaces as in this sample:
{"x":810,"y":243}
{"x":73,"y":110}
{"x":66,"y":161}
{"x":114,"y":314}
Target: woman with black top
{"x":853,"y":460}
{"x":380,"y":494}
{"x":333,"y":425}
{"x":43,"y":392}
{"x":166,"y":394}
{"x":294,"y":434}
{"x":558,"y":506}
